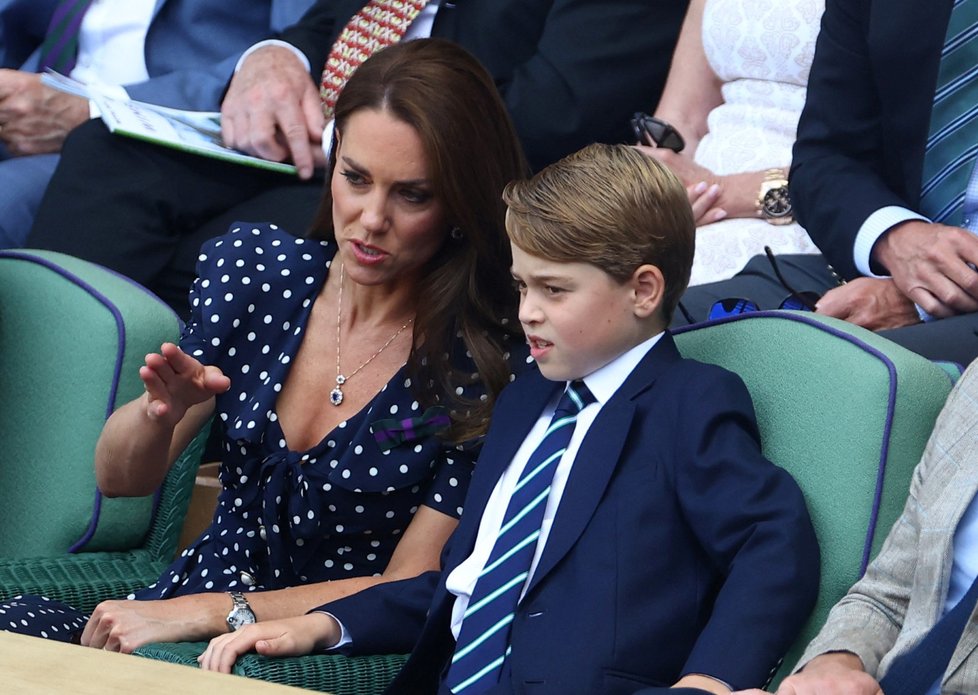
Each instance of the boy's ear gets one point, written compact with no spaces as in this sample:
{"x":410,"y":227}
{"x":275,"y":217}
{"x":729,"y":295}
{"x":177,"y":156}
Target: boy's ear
{"x":649,"y":286}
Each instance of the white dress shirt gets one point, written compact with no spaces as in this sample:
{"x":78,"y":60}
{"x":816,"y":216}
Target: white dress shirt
{"x":112,"y":45}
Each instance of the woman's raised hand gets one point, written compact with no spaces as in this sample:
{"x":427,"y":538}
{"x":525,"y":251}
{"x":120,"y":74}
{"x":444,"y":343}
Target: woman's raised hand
{"x":175,"y":381}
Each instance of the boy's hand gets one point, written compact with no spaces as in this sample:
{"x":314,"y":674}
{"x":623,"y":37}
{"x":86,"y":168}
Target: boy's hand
{"x":175,"y":381}
{"x":296,"y":636}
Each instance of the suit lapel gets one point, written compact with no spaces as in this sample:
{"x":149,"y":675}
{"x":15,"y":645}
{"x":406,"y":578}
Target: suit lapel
{"x":599,"y":456}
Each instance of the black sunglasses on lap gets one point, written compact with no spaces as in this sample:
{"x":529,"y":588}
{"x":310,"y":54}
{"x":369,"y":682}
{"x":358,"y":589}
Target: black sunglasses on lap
{"x":795,"y":301}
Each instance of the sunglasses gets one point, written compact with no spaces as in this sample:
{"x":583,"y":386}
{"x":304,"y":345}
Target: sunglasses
{"x":650,"y":130}
{"x":795,"y":301}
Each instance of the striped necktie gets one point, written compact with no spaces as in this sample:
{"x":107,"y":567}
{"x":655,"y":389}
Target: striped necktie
{"x":378,"y":24}
{"x":60,"y":47}
{"x":953,"y":139}
{"x":483,"y":640}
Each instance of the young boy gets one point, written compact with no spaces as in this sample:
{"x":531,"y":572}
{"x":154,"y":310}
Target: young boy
{"x":622,"y":529}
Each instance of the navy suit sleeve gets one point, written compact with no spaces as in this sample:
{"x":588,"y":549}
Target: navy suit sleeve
{"x":835,"y":179}
{"x":595,"y":64}
{"x":750,"y":518}
{"x":385,"y":618}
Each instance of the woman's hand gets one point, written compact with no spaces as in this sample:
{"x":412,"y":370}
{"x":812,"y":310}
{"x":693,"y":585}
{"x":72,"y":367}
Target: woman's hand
{"x":122,"y":626}
{"x":297,"y":636}
{"x":688,"y":171}
{"x":703,"y":198}
{"x":175,"y":381}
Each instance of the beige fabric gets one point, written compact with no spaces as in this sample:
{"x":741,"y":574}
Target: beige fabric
{"x":901,"y":596}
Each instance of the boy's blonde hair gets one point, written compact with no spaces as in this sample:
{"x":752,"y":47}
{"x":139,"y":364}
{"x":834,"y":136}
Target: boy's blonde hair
{"x":612,"y":207}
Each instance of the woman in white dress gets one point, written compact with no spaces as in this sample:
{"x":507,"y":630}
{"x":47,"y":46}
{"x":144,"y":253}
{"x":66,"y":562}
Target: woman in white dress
{"x":735,"y":91}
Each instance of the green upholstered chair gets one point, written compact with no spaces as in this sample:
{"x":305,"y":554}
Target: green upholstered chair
{"x":72,"y":338}
{"x":846,"y":412}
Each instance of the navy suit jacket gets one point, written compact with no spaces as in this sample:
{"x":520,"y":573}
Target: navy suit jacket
{"x":677,"y":548}
{"x":191,"y":45}
{"x":571,"y":72}
{"x":861,"y":136}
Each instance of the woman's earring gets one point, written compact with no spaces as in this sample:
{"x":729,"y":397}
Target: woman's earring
{"x":456,"y":234}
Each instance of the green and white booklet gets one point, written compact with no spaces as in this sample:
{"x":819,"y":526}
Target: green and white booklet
{"x":198,"y":132}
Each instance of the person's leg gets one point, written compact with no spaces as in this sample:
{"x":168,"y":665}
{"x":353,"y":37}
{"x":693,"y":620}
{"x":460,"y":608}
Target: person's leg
{"x":126,"y":204}
{"x":290,"y":207}
{"x":22,"y":184}
{"x":759,"y":283}
{"x":952,"y":340}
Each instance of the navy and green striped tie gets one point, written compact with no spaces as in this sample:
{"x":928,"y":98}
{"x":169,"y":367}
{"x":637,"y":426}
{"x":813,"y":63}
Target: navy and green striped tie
{"x":60,"y":47}
{"x":483,"y":640}
{"x":952,"y":143}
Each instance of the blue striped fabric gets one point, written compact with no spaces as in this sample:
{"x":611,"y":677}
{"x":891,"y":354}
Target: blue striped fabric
{"x":483,"y":641}
{"x":953,"y":141}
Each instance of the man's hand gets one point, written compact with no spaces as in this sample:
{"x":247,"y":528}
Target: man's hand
{"x":873,"y":303}
{"x":286,"y":637}
{"x":175,"y":381}
{"x":929,"y":264}
{"x":272,"y":109}
{"x":122,"y":626}
{"x":34,"y":118}
{"x":836,"y":673}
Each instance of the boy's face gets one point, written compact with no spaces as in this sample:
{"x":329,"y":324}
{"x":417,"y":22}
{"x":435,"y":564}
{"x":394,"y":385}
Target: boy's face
{"x":576,"y":317}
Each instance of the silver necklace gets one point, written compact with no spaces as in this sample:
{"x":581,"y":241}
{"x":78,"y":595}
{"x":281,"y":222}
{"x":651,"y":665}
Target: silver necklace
{"x":336,"y":395}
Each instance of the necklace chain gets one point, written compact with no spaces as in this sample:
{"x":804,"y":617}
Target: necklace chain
{"x":336,"y":395}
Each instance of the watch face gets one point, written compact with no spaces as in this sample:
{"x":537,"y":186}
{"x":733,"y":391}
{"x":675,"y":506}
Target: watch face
{"x":777,"y":202}
{"x":240,"y":617}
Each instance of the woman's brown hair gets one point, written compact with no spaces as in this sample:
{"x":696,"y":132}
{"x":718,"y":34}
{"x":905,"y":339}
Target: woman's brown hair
{"x":441,"y":91}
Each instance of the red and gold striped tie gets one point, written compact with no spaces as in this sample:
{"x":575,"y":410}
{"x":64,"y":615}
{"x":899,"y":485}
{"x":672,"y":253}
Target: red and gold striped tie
{"x":379,"y":24}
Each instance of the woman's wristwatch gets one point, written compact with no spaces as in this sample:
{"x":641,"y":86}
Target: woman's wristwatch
{"x":773,"y":200}
{"x":241,"y":613}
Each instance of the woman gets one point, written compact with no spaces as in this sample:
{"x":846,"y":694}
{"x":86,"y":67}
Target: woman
{"x":735,"y":91}
{"x":353,"y":372}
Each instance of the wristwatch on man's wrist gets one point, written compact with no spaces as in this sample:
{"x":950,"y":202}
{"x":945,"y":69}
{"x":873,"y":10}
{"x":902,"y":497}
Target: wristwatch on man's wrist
{"x":241,"y":613}
{"x":773,"y":201}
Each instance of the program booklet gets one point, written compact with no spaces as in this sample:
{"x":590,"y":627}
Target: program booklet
{"x":198,"y":132}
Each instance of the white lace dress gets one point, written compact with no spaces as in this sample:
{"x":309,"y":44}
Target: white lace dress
{"x":762,"y":50}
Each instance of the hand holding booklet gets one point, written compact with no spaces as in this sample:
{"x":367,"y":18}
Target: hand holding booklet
{"x":198,"y":132}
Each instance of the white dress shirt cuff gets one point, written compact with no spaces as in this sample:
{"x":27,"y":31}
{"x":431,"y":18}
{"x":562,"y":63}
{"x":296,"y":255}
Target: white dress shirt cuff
{"x":345,"y":638}
{"x":273,"y":42}
{"x":875,"y":226}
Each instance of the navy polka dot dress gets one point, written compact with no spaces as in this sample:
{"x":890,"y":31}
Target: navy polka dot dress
{"x":288,"y":517}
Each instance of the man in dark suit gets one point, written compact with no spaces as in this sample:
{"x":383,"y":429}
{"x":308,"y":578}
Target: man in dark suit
{"x":570,"y":72}
{"x":667,"y":550}
{"x":856,"y":187}
{"x":175,"y":54}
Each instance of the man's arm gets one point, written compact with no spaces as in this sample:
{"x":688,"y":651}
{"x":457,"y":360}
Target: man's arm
{"x":272,"y":106}
{"x":581,"y":77}
{"x":836,"y":182}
